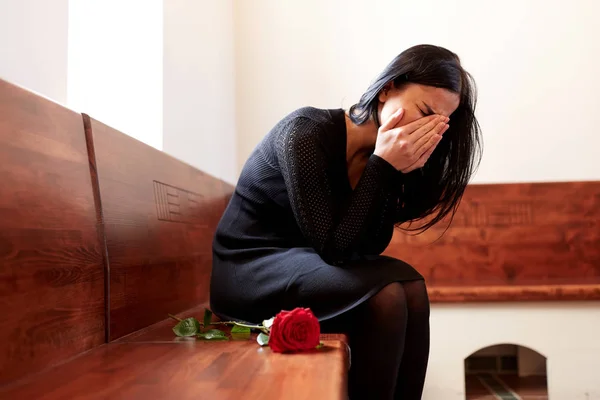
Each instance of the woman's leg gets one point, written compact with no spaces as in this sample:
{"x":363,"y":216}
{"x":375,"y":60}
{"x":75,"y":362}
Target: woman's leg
{"x":376,"y":330}
{"x":411,"y":375}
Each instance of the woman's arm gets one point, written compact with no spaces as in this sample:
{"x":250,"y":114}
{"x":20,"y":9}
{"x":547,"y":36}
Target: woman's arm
{"x":335,"y":231}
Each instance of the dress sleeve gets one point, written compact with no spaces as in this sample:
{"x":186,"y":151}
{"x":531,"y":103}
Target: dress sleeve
{"x":335,"y":231}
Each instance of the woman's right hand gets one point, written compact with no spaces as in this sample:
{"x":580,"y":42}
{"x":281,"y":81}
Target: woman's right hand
{"x":408,"y":147}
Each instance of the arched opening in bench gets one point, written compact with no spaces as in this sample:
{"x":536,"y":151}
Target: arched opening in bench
{"x":507,"y":371}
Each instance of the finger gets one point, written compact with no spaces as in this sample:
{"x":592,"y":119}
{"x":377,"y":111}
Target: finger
{"x":436,"y":130}
{"x":429,"y":146}
{"x":423,"y":132}
{"x":420,"y":163}
{"x":392,"y":120}
{"x":445,"y":129}
{"x":414,"y":126}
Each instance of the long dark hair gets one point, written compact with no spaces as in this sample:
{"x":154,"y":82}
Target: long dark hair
{"x":431,"y":193}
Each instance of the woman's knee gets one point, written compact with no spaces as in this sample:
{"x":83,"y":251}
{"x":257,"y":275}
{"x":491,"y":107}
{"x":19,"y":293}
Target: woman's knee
{"x":390,"y":302}
{"x":417,"y":298}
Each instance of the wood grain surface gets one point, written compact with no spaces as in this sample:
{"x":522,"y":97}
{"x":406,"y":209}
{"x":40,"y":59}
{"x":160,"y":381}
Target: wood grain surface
{"x":159,"y":217}
{"x":513,"y":242}
{"x":51,"y":271}
{"x":192,"y":370}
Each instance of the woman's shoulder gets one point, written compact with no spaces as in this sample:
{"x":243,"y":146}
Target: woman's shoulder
{"x":307,"y":130}
{"x":319,"y":115}
{"x":311,"y":120}
{"x":305,"y":127}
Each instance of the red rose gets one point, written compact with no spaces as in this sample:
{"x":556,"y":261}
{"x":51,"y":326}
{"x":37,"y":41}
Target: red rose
{"x":294,"y":330}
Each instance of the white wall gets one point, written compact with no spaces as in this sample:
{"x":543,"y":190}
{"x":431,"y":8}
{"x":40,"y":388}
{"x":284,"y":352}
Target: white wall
{"x":199,"y":106}
{"x":566,"y":333}
{"x":33,"y":45}
{"x":497,"y":350}
{"x":535,"y":62}
{"x":115,"y":64}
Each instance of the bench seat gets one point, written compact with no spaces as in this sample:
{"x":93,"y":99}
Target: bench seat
{"x":155,"y":364}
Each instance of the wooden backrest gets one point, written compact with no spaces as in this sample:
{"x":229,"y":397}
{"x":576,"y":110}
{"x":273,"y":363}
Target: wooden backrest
{"x":159,"y":217}
{"x":51,"y":266}
{"x":530,"y":241}
{"x":100,"y":234}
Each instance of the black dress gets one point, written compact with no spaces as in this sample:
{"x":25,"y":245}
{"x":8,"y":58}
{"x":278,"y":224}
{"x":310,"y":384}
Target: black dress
{"x":295,"y":234}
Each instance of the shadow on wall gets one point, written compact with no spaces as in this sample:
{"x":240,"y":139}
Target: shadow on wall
{"x":506,"y":371}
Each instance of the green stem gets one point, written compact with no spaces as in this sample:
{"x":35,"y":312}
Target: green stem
{"x":175,"y":318}
{"x":249,"y":326}
{"x":262,"y":328}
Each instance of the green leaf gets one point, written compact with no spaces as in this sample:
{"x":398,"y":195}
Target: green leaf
{"x":268,"y":323}
{"x":262,"y":339}
{"x":320,"y":346}
{"x":213,"y":334}
{"x":187,"y":327}
{"x":207,"y":317}
{"x":240,"y":329}
{"x":240,"y":336}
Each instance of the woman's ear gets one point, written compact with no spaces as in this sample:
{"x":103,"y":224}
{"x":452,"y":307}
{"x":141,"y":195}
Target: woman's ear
{"x":384,"y":93}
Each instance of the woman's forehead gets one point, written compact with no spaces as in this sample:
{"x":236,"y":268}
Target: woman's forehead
{"x":440,"y":101}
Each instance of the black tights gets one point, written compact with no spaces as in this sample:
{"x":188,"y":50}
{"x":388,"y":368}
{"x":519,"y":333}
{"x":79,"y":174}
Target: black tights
{"x":389,"y":342}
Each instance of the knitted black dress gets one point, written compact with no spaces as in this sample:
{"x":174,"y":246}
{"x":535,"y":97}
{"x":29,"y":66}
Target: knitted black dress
{"x":295,"y":233}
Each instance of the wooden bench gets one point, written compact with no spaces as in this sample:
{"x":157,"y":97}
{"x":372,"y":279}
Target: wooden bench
{"x":102,"y":236}
{"x":513,"y":242}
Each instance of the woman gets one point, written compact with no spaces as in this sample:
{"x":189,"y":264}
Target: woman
{"x":316,"y":205}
